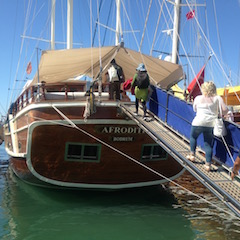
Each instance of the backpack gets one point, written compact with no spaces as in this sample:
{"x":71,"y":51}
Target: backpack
{"x":120,"y":73}
{"x":142,"y":80}
{"x":113,"y":74}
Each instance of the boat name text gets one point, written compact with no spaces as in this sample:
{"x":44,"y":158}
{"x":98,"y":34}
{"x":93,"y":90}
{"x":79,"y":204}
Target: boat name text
{"x":122,"y":130}
{"x":122,"y":139}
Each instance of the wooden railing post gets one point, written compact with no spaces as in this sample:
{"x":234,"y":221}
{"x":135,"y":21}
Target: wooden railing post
{"x":26,"y":92}
{"x":22,"y":101}
{"x":32,"y":94}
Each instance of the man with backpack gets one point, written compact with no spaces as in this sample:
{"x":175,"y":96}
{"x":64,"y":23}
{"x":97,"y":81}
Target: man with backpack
{"x":116,"y":77}
{"x":141,"y":83}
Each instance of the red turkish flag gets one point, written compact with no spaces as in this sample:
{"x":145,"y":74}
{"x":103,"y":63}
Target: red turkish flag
{"x":194,"y":86}
{"x":190,"y":14}
{"x":29,"y":68}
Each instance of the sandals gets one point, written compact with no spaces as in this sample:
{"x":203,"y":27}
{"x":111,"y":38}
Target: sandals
{"x":190,"y":157}
{"x":207,"y":166}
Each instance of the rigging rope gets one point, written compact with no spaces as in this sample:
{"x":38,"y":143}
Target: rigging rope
{"x":105,"y":32}
{"x":27,"y":25}
{"x":145,"y":25}
{"x":91,"y":18}
{"x":213,"y":52}
{"x":228,"y":150}
{"x":135,"y":38}
{"x":100,"y":57}
{"x":96,"y":24}
{"x":13,"y":44}
{"x":135,"y":161}
{"x":155,"y":34}
{"x":218,"y":35}
{"x":225,"y":144}
{"x":136,"y":43}
{"x":180,"y":41}
{"x":21,"y":48}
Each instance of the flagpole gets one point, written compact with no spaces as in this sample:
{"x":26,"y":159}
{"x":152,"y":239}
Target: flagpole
{"x":199,"y":75}
{"x":203,"y":70}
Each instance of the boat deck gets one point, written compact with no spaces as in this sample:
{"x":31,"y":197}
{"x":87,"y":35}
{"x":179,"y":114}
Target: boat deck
{"x":218,"y":180}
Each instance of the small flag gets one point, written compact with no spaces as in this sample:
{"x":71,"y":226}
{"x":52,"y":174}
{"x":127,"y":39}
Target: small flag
{"x":190,"y":14}
{"x":29,"y":68}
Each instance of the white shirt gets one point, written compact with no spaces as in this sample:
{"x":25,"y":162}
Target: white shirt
{"x":112,"y":72}
{"x":206,"y":109}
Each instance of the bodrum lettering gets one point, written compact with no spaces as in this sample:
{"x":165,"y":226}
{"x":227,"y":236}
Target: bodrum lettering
{"x":122,"y":130}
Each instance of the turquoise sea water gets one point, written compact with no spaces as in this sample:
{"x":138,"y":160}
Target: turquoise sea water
{"x":28,"y":212}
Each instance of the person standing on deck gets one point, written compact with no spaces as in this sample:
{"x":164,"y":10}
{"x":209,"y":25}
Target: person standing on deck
{"x":116,"y":77}
{"x":206,"y":108}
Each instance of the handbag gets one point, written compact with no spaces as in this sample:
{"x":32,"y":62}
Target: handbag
{"x":219,"y":129}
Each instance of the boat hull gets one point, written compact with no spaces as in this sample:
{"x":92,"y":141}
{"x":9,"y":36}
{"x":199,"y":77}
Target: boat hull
{"x":108,"y":151}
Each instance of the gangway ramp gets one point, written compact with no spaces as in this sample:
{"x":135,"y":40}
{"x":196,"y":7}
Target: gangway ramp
{"x":217,"y":180}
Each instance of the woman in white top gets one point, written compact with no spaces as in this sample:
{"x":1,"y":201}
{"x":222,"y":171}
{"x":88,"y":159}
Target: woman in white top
{"x":206,"y":108}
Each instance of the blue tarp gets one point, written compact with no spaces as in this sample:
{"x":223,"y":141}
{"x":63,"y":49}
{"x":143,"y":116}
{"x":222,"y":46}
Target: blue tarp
{"x":179,"y":114}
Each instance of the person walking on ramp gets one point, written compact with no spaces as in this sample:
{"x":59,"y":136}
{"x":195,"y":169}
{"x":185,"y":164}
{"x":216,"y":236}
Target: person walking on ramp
{"x":206,"y":108}
{"x":141,"y":83}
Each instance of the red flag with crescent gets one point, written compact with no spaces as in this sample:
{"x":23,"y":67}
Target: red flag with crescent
{"x":29,"y":68}
{"x":190,"y":14}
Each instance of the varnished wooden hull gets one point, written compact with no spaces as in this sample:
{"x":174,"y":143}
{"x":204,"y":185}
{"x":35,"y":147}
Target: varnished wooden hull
{"x":120,"y":142}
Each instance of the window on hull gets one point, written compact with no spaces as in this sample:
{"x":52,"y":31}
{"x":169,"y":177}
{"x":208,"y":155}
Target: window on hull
{"x":153,"y":152}
{"x":82,"y":152}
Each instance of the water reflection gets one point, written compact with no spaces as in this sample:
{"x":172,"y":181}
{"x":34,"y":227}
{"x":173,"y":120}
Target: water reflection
{"x":38,"y":213}
{"x":210,"y":221}
{"x":29,"y":212}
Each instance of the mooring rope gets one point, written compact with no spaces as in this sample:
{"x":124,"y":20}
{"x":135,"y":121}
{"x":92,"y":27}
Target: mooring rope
{"x":137,"y":162}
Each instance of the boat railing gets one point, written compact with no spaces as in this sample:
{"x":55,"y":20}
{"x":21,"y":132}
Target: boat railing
{"x":55,"y":92}
{"x":178,"y":114}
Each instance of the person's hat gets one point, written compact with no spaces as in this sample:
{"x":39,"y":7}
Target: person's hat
{"x":141,"y":68}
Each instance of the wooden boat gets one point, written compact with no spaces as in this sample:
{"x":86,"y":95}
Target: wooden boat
{"x":61,"y":132}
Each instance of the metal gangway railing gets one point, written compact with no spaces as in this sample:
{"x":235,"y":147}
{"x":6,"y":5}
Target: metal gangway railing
{"x":218,"y":180}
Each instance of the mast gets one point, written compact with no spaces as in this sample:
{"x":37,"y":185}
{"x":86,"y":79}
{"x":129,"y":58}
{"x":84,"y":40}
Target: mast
{"x":176,"y":31}
{"x":53,"y":25}
{"x":69,"y":24}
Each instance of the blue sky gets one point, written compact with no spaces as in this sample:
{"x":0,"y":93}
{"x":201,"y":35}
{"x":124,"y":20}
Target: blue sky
{"x":16,"y":51}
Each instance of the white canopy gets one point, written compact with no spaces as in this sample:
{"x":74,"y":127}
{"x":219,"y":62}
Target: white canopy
{"x":61,"y":65}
